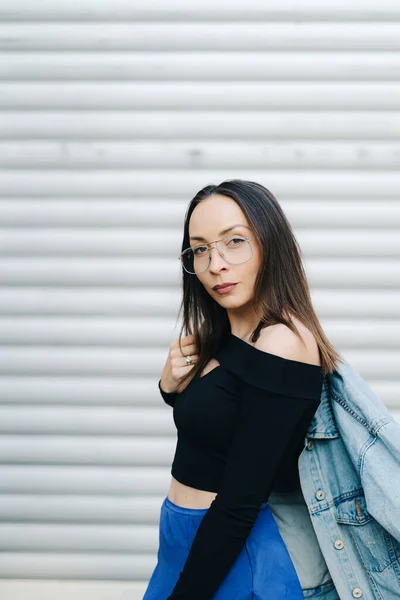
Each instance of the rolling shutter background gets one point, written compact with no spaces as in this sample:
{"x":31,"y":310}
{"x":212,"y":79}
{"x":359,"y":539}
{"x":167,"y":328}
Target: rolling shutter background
{"x":112,"y":116}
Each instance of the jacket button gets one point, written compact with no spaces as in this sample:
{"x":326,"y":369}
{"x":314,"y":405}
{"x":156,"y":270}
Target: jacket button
{"x":357,"y":593}
{"x":320,"y":495}
{"x":339,"y":544}
{"x":310,"y":445}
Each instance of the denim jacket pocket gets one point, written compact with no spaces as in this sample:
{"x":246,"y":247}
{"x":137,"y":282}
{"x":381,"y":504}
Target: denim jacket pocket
{"x":377,"y":548}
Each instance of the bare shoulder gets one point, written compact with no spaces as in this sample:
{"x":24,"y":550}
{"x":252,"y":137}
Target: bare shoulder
{"x":280,"y":340}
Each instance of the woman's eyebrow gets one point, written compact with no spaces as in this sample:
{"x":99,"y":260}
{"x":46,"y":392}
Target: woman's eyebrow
{"x":192,"y":237}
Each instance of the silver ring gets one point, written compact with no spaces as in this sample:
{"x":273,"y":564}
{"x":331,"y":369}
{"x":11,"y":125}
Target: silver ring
{"x":188,"y":359}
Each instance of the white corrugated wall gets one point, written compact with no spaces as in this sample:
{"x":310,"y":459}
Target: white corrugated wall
{"x":112,"y":116}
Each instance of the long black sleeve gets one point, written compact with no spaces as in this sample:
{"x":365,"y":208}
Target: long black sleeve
{"x":268,"y":424}
{"x":168,"y":397}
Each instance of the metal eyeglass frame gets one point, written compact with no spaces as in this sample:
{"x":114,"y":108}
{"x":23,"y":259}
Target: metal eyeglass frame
{"x":209,"y":252}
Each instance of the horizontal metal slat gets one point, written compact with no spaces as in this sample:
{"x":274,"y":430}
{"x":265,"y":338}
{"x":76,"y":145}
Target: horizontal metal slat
{"x":74,"y":360}
{"x":62,"y":589}
{"x":184,"y":183}
{"x":84,"y":420}
{"x":351,"y":303}
{"x":45,"y":537}
{"x":110,"y":212}
{"x":147,"y":243}
{"x":103,"y":331}
{"x":209,"y":96}
{"x":152,"y":272}
{"x":200,"y":36}
{"x":83,"y":391}
{"x":118,"y":566}
{"x":159,"y":154}
{"x":111,"y":301}
{"x":84,"y":450}
{"x":177,"y":10}
{"x":220,"y":66}
{"x":70,"y":508}
{"x":85,"y":479}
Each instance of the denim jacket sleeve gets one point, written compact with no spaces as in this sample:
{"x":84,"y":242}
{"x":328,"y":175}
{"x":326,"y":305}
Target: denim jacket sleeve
{"x":380,"y":477}
{"x":371,"y":436}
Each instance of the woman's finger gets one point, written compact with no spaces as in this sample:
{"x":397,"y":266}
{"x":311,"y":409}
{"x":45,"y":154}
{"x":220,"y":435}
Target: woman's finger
{"x":189,"y":349}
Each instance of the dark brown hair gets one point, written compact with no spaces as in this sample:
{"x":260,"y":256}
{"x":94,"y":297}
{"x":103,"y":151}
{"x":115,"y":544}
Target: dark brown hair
{"x":281,"y":287}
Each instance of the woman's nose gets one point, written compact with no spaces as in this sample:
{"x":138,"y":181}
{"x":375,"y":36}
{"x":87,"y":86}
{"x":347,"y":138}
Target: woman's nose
{"x":215,"y":257}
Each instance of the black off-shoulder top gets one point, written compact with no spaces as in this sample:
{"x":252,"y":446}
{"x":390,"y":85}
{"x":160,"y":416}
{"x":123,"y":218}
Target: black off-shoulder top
{"x":240,"y":431}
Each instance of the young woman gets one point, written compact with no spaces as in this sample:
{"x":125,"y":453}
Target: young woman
{"x":244,"y":385}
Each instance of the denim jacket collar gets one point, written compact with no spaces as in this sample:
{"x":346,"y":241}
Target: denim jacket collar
{"x":323,"y":424}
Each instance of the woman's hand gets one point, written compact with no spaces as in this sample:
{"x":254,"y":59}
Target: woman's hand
{"x":175,"y":367}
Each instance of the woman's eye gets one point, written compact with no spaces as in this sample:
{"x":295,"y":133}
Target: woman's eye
{"x":236,"y":241}
{"x":200,"y":249}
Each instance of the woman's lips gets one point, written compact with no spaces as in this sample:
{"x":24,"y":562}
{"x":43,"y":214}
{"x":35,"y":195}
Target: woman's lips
{"x":225,"y":290}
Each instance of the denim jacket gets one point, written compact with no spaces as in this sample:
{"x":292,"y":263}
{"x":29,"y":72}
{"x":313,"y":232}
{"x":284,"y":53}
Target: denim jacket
{"x":350,"y":481}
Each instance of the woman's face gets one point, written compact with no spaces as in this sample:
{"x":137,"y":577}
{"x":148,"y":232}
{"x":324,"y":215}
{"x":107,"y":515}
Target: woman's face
{"x":207,"y":221}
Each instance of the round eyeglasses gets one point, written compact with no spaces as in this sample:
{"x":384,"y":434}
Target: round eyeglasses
{"x":235,"y":250}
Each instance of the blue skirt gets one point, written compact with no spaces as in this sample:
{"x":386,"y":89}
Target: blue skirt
{"x":263,"y":569}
